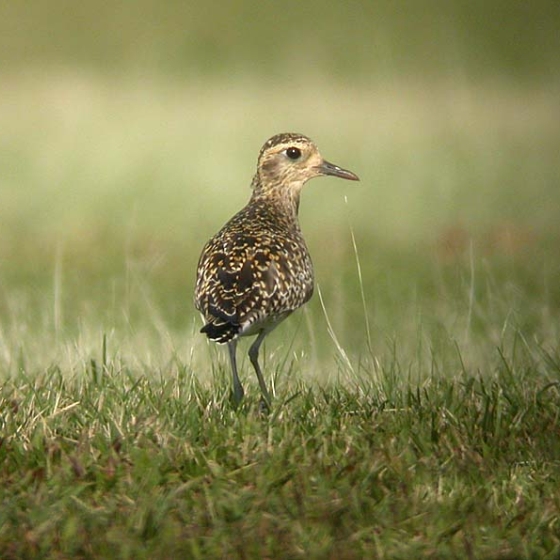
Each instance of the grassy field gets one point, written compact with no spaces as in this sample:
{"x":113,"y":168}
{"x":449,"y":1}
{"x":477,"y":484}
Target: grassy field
{"x":416,"y":406}
{"x":113,"y":463}
{"x":416,"y":397}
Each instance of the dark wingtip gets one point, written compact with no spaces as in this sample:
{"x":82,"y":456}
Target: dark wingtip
{"x":220,"y":332}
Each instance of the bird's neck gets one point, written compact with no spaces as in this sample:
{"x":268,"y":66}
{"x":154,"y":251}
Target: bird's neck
{"x":279,"y":198}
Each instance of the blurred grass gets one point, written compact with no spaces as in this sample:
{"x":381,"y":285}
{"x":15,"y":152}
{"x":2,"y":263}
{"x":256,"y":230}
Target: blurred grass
{"x":110,"y":189}
{"x":416,"y":405}
{"x":356,"y":40}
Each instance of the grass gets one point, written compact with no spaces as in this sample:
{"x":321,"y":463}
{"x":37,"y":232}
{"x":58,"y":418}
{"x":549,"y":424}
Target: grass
{"x":416,"y":401}
{"x":110,"y":463}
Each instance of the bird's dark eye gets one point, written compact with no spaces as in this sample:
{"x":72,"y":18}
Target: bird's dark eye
{"x":293,"y":153}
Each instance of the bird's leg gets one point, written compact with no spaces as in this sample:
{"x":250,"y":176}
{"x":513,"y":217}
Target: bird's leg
{"x":237,"y":387}
{"x":254,"y":357}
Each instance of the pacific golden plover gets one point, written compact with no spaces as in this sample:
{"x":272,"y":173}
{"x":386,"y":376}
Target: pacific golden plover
{"x":256,"y":270}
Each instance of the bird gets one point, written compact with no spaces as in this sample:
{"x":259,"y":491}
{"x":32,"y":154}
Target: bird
{"x":257,"y":269}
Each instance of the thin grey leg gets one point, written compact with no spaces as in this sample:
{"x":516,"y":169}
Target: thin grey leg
{"x":237,"y":387}
{"x":254,"y":357}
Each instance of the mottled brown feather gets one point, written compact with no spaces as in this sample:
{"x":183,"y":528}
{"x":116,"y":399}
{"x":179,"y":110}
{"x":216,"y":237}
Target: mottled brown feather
{"x":257,"y":269}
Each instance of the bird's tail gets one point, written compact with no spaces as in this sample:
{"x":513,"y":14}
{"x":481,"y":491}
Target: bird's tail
{"x":220,"y":331}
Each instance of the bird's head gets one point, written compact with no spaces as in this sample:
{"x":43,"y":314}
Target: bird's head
{"x":287,"y":161}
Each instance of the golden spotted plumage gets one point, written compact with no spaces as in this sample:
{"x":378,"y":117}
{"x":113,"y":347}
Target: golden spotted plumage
{"x":257,"y":269}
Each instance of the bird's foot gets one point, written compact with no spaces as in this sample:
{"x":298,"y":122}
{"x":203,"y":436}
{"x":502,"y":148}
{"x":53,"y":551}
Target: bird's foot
{"x":236,"y":396}
{"x":264,"y":407}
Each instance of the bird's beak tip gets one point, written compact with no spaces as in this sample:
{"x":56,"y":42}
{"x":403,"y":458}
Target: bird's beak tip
{"x":327,"y":168}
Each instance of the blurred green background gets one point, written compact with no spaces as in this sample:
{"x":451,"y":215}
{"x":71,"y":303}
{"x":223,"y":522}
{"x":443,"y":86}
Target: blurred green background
{"x":354,"y":41}
{"x":129,"y":133}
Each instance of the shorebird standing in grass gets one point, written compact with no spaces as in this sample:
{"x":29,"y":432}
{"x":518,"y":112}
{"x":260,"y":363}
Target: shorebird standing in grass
{"x":256,"y":270}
